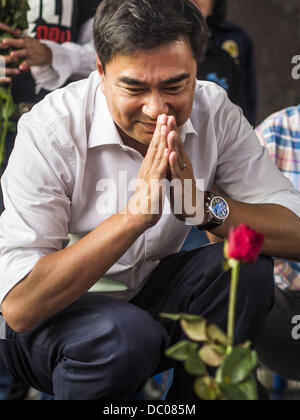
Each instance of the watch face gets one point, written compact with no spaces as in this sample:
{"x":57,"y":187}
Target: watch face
{"x":219,"y":208}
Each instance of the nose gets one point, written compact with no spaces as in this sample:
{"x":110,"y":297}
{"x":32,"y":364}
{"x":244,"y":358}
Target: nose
{"x":154,"y":106}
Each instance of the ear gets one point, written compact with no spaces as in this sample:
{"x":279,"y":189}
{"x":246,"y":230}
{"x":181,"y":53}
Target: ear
{"x":101,"y":74}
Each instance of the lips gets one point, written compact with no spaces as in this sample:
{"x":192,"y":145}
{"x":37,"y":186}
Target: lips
{"x":149,"y":126}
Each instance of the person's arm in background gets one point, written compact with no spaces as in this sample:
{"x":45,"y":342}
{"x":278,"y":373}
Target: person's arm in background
{"x":34,"y":51}
{"x":69,"y":60}
{"x":52,"y":64}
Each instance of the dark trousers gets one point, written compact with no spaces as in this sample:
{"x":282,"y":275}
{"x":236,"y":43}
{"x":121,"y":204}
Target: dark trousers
{"x":278,"y":349}
{"x":100,"y":348}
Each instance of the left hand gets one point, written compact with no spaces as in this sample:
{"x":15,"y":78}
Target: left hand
{"x":180,"y":168}
{"x":30,"y":50}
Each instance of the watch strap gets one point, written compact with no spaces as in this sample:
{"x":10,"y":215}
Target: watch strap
{"x":212,"y":223}
{"x":209,"y":225}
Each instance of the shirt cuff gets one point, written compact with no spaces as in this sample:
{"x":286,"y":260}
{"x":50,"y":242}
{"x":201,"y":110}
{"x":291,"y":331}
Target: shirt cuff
{"x":54,"y":76}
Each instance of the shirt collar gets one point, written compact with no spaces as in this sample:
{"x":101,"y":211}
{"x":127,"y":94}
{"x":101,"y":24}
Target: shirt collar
{"x":103,"y":128}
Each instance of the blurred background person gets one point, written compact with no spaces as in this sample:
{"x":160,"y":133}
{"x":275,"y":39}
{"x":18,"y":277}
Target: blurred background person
{"x":240,"y":82}
{"x":277,"y":349}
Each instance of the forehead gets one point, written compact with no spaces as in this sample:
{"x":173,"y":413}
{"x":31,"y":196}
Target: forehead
{"x":154,"y":65}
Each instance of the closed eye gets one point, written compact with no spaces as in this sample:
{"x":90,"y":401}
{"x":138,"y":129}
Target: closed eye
{"x":173,"y":88}
{"x":135,"y":91}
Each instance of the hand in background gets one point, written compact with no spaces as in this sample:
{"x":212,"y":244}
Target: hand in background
{"x":29,"y":51}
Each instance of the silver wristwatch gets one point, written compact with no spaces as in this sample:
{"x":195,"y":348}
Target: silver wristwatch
{"x":216,"y":210}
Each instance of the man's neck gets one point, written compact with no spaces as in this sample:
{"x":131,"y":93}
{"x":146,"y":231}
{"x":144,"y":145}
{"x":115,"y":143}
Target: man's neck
{"x":134,"y":144}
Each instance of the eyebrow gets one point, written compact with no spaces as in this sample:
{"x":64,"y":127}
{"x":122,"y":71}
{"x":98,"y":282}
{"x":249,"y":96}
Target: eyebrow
{"x":136,"y":82}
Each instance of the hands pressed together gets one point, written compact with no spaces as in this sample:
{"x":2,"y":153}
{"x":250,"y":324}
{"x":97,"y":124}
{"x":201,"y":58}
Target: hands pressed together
{"x":166,"y":159}
{"x":29,"y":52}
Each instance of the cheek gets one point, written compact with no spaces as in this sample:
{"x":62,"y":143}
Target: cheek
{"x":128,"y":107}
{"x":182,"y":108}
{"x":121,"y":109}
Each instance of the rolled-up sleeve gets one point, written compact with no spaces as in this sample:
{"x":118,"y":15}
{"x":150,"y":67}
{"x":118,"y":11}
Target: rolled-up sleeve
{"x":69,"y":60}
{"x":245,"y":170}
{"x":36,"y":185}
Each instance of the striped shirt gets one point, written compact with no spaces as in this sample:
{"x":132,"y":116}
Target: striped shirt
{"x":280,"y":134}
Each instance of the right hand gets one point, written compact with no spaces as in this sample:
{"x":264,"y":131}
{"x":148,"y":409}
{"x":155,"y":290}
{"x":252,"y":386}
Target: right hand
{"x":9,"y":73}
{"x":16,"y":33}
{"x":149,"y":195}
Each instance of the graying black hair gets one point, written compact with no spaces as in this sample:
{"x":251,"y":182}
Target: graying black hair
{"x":123,"y":26}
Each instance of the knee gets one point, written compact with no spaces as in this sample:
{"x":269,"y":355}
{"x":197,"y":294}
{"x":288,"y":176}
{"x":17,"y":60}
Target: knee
{"x":120,"y":356}
{"x":139,"y":342}
{"x":257,"y":280}
{"x":262,"y":273}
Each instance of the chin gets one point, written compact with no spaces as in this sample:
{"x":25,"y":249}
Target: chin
{"x":143,"y":138}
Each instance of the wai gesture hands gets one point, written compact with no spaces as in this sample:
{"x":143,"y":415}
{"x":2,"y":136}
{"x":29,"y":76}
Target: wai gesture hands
{"x":166,"y":160}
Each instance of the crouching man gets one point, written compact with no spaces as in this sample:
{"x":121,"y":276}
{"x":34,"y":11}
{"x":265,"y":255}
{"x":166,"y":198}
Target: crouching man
{"x":143,"y":114}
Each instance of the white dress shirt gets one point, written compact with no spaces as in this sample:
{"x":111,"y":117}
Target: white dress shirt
{"x":68,"y":144}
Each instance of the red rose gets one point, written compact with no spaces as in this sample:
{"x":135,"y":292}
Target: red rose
{"x":244,"y":244}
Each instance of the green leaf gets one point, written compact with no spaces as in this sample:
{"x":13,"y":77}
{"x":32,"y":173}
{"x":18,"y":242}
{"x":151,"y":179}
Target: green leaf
{"x":195,"y":330}
{"x":206,"y":388}
{"x":238,"y":365}
{"x":172,"y":317}
{"x":232,"y":392}
{"x":249,"y":388}
{"x":11,"y":126}
{"x":246,"y":345}
{"x":3,"y":93}
{"x":5,"y":36}
{"x":217,"y":335}
{"x":219,"y":377}
{"x":194,"y":366}
{"x":191,"y":317}
{"x":226,"y":266}
{"x":182,"y":351}
{"x":212,"y":354}
{"x":177,"y":317}
{"x":244,"y":391}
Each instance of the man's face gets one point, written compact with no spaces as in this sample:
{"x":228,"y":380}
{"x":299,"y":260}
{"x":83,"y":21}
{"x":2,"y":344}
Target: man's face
{"x":147,"y":83}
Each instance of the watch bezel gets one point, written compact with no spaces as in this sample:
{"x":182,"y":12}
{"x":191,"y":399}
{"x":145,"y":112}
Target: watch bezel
{"x":213,"y":215}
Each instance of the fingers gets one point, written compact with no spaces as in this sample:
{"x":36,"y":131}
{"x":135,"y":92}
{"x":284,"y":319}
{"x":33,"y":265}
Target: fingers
{"x":156,"y":161}
{"x":171,"y":140}
{"x":10,"y":59}
{"x":175,"y":170}
{"x":11,"y":72}
{"x":175,"y":143}
{"x":12,"y":42}
{"x":155,"y":142}
{"x":171,"y":123}
{"x":19,"y":54}
{"x":175,"y":149}
{"x":14,"y":32}
{"x":162,"y":157}
{"x":4,"y":80}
